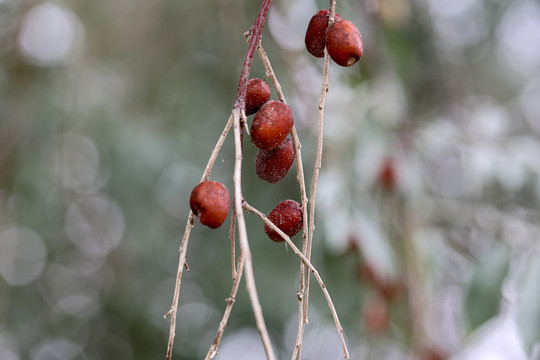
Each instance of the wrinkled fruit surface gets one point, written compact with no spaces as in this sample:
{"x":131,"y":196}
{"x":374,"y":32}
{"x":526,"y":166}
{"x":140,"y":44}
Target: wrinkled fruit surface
{"x":271,"y":125}
{"x":287,"y":216}
{"x":344,"y":43}
{"x":258,"y":92}
{"x":210,"y":202}
{"x":273,"y":165}
{"x":315,"y":33}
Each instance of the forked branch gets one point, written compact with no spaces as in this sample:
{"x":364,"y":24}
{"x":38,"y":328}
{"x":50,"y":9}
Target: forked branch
{"x":185,"y":240}
{"x":245,"y":251}
{"x":305,"y":260}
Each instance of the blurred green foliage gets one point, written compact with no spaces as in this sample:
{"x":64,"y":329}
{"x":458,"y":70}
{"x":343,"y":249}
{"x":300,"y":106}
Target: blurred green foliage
{"x":109,"y":111}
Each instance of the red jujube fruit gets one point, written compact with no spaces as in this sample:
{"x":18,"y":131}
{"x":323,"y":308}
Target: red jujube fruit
{"x":287,"y":216}
{"x":271,"y":125}
{"x":315,"y":33}
{"x":344,"y":43}
{"x":209,"y":201}
{"x":273,"y":165}
{"x":257,"y":93}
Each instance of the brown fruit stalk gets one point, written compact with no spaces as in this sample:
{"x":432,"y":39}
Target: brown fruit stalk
{"x":271,"y":125}
{"x":257,"y":93}
{"x":287,"y":216}
{"x":210,"y":202}
{"x":315,"y":33}
{"x":344,"y":43}
{"x":273,"y":165}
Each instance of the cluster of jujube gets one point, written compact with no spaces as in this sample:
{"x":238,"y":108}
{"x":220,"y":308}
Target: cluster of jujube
{"x":342,"y":38}
{"x":271,"y":126}
{"x":269,"y":131}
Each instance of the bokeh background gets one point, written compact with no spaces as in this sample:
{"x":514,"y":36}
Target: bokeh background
{"x":427,"y":224}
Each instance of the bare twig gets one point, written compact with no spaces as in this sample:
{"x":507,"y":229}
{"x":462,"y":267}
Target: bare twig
{"x":174,"y":306}
{"x":237,"y":114}
{"x":318,"y":162}
{"x":185,"y":240}
{"x":232,"y":237}
{"x":256,"y":30}
{"x":245,"y":252}
{"x":312,"y":268}
{"x":303,"y":196}
{"x":230,"y":303}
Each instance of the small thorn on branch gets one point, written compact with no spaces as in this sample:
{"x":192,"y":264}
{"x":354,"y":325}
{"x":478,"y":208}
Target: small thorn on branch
{"x":168,"y":313}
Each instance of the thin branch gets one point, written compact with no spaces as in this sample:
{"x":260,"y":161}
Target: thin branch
{"x":303,"y":196}
{"x":318,"y":157}
{"x":256,"y":30}
{"x":174,"y":306}
{"x":213,"y":351}
{"x":185,"y":240}
{"x":270,"y":72}
{"x":302,"y":286}
{"x":232,"y":237}
{"x":234,"y":118}
{"x":245,"y":252}
{"x":305,"y":260}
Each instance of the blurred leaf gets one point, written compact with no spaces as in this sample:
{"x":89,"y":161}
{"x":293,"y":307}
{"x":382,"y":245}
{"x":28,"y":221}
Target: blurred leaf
{"x":528,"y":314}
{"x":484,"y":290}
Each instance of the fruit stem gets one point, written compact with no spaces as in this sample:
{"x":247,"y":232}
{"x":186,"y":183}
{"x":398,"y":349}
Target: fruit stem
{"x":256,"y":30}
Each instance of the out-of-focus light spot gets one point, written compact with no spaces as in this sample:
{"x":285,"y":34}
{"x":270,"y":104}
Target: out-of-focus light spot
{"x":321,"y":343}
{"x":95,"y":225}
{"x":99,"y":86}
{"x":9,"y":348}
{"x":450,"y":8}
{"x":73,"y":294}
{"x":438,"y":136}
{"x":193,"y":324}
{"x":486,"y":120}
{"x":511,"y":174}
{"x":459,"y":23}
{"x":174,"y":187}
{"x":482,"y":161}
{"x":57,"y":349}
{"x":395,"y":12}
{"x":289,"y":30}
{"x":194,"y":315}
{"x":525,"y":151}
{"x":83,"y":265}
{"x":75,"y":163}
{"x":22,"y":255}
{"x":519,"y":36}
{"x":530,"y":106}
{"x":79,"y":305}
{"x":49,"y":34}
{"x":448,"y":179}
{"x":242,"y":345}
{"x":497,"y":340}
